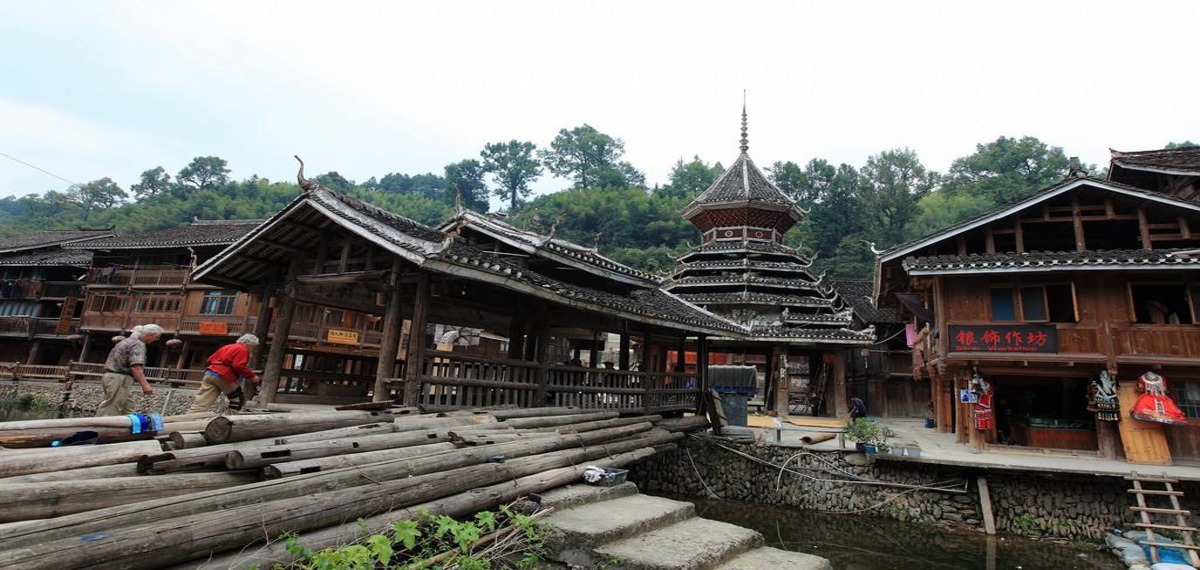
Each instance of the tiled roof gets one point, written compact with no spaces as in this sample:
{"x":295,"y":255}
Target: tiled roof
{"x":651,"y":302}
{"x":1175,"y":161}
{"x":750,"y":298}
{"x":1000,"y":212}
{"x":48,"y":238}
{"x":1051,"y":261}
{"x":746,"y":264}
{"x":532,"y":242}
{"x":56,"y":257}
{"x":743,"y":183}
{"x":197,"y":233}
{"x":706,"y":280}
{"x":858,"y":294}
{"x":866,"y":335}
{"x":737,"y":247}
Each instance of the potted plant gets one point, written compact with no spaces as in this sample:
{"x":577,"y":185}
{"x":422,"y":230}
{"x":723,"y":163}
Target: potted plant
{"x":868,"y":436}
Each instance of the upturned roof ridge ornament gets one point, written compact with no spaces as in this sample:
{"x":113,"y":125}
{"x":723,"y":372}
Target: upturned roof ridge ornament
{"x":306,"y":184}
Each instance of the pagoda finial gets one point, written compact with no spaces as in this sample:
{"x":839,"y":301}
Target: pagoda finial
{"x":745,"y":142}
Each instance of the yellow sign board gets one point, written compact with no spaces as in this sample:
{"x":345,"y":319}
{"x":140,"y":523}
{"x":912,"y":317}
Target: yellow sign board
{"x":214,"y":327}
{"x":336,"y":336}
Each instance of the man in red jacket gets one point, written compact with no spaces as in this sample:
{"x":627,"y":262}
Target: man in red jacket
{"x":225,"y":366}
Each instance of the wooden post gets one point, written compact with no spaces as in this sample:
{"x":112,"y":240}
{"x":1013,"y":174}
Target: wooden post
{"x":87,"y":345}
{"x":623,"y":357}
{"x":543,"y":353}
{"x":681,"y":354}
{"x":181,"y":361}
{"x":283,"y":328}
{"x":702,"y":361}
{"x":262,"y":324}
{"x":516,"y":334}
{"x":646,"y":369}
{"x":33,"y":348}
{"x":1080,"y":240}
{"x":841,"y":402}
{"x":594,"y":353}
{"x":1106,"y":440}
{"x":985,"y":505}
{"x":778,"y":378}
{"x":390,"y":343}
{"x":415,"y":365}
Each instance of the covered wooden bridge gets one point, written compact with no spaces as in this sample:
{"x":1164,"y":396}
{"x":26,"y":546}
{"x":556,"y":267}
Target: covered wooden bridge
{"x":550,"y":301}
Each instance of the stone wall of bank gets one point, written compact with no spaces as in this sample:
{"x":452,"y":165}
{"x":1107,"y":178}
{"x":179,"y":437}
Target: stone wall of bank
{"x":1050,"y":505}
{"x":86,"y":397}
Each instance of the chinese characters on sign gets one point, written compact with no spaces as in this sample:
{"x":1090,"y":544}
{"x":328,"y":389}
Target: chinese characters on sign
{"x":211,"y":327}
{"x":336,"y":336}
{"x":1003,"y":338}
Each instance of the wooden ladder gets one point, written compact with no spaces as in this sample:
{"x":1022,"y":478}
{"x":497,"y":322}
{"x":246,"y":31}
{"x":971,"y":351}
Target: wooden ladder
{"x":1143,"y":511}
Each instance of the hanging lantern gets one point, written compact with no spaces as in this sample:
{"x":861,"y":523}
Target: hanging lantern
{"x":117,"y":339}
{"x":174,"y":344}
{"x":75,"y":338}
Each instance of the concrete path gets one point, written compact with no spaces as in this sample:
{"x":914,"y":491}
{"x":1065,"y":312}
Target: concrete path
{"x":616,"y":528}
{"x":941,"y":448}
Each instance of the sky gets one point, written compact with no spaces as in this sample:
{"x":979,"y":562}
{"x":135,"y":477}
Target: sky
{"x":111,"y":89}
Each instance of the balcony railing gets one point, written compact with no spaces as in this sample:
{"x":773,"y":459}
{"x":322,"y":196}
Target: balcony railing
{"x":235,"y":325}
{"x":34,"y":327}
{"x":123,"y":322}
{"x":32,"y":289}
{"x":141,"y":277}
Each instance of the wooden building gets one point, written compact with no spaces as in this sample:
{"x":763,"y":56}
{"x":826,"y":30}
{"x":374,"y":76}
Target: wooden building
{"x":547,"y":297}
{"x":1041,"y":295}
{"x":881,"y":374}
{"x":742,"y":271}
{"x":40,"y":294}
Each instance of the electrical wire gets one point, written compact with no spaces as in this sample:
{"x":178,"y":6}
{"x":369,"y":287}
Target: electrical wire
{"x":38,"y":168}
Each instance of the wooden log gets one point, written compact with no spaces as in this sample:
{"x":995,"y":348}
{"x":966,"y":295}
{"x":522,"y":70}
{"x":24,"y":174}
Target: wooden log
{"x":90,"y":422}
{"x":306,"y":466}
{"x":61,"y":458}
{"x":687,"y":423}
{"x":187,"y":439}
{"x":559,"y":420}
{"x":458,"y":505}
{"x":35,"y":437}
{"x":260,"y":456}
{"x":98,"y":472}
{"x":184,"y":538}
{"x":226,"y":429}
{"x":811,"y":438}
{"x":45,"y":499}
{"x":428,"y":421}
{"x":600,"y":424}
{"x":490,"y":437}
{"x":507,"y":414}
{"x":211,"y":501}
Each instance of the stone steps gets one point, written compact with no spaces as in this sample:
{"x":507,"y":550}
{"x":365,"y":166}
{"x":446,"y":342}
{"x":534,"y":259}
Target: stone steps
{"x":616,"y":528}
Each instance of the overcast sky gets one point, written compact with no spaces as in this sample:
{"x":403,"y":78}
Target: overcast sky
{"x":95,"y":89}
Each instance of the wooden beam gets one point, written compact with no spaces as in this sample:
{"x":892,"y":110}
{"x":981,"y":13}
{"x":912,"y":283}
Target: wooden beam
{"x":543,"y":353}
{"x":344,"y":260}
{"x":1080,"y":241}
{"x":282,"y":246}
{"x":283,"y":327}
{"x":390,"y":343}
{"x":1020,"y":237}
{"x":340,"y":278}
{"x":1143,"y":227}
{"x":985,"y":505}
{"x":989,"y":243}
{"x":416,"y":343}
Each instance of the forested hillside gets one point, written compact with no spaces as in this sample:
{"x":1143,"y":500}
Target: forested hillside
{"x":889,"y":198}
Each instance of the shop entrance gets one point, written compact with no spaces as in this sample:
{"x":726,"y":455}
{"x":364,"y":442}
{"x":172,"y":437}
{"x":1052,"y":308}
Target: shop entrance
{"x":1043,"y":412}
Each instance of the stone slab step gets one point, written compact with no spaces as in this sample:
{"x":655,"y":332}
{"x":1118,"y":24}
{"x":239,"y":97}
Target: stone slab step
{"x":574,"y":495}
{"x":585,"y":526}
{"x":767,"y":558}
{"x":691,"y":544}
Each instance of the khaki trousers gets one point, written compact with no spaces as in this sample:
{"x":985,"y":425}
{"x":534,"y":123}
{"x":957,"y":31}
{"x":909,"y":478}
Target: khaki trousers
{"x":118,"y":395}
{"x":211,"y":388}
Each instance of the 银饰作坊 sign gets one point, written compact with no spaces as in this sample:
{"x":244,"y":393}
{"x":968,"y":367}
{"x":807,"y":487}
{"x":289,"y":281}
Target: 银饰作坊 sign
{"x":1003,"y":338}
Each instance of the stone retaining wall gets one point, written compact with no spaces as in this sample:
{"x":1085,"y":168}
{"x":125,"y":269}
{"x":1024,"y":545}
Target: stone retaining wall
{"x":86,"y":397}
{"x":1051,"y":505}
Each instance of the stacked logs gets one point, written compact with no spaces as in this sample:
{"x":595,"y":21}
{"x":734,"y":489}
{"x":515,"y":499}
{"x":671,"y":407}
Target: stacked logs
{"x":328,"y":476}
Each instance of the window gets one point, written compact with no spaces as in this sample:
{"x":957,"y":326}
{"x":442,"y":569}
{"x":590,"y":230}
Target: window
{"x":1034,"y":304}
{"x":156,"y":304}
{"x":1160,"y":303}
{"x":1187,"y":396}
{"x":218,"y":302}
{"x":107,"y":303}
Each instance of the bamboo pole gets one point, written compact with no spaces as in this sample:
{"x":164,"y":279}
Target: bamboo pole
{"x":184,"y":538}
{"x":150,"y":511}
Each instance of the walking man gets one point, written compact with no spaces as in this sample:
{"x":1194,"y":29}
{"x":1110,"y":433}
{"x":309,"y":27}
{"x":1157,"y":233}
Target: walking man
{"x":225,"y":366}
{"x":125,"y":363}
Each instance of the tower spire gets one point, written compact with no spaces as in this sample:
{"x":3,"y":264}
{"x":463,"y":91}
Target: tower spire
{"x":745,"y":142}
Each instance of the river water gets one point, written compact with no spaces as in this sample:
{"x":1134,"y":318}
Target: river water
{"x":866,"y":543}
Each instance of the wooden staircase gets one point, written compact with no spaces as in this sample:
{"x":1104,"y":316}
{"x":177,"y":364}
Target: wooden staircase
{"x":1162,"y":487}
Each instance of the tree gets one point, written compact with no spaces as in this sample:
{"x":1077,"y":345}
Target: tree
{"x":96,"y":195}
{"x":512,"y":167}
{"x":893,"y":182}
{"x":1185,"y":144}
{"x":334,"y":181}
{"x":941,"y":209}
{"x":688,"y":180}
{"x":1008,"y":169}
{"x":155,"y":182}
{"x":465,"y":178}
{"x":808,"y":185}
{"x":590,"y":158}
{"x":428,"y":185}
{"x":836,"y":208}
{"x":204,"y":172}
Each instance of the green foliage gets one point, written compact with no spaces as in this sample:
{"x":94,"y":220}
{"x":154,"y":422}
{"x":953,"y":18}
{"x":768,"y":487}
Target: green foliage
{"x":590,"y":158}
{"x":1025,"y":524}
{"x":154,"y":182}
{"x":1007,"y":169}
{"x":434,"y":541}
{"x":688,"y":180}
{"x":892,"y":184}
{"x":863,"y":430}
{"x":204,"y":172}
{"x":940,"y":209}
{"x":1184,"y":144}
{"x":512,"y":167}
{"x":465,"y":178}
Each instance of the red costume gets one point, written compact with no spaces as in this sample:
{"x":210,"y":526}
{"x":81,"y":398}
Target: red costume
{"x":1154,"y":405}
{"x":985,"y":416}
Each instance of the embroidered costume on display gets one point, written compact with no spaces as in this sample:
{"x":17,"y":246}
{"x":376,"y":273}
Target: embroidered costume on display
{"x":1154,"y":405}
{"x":985,"y":416}
{"x":1102,"y":398}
